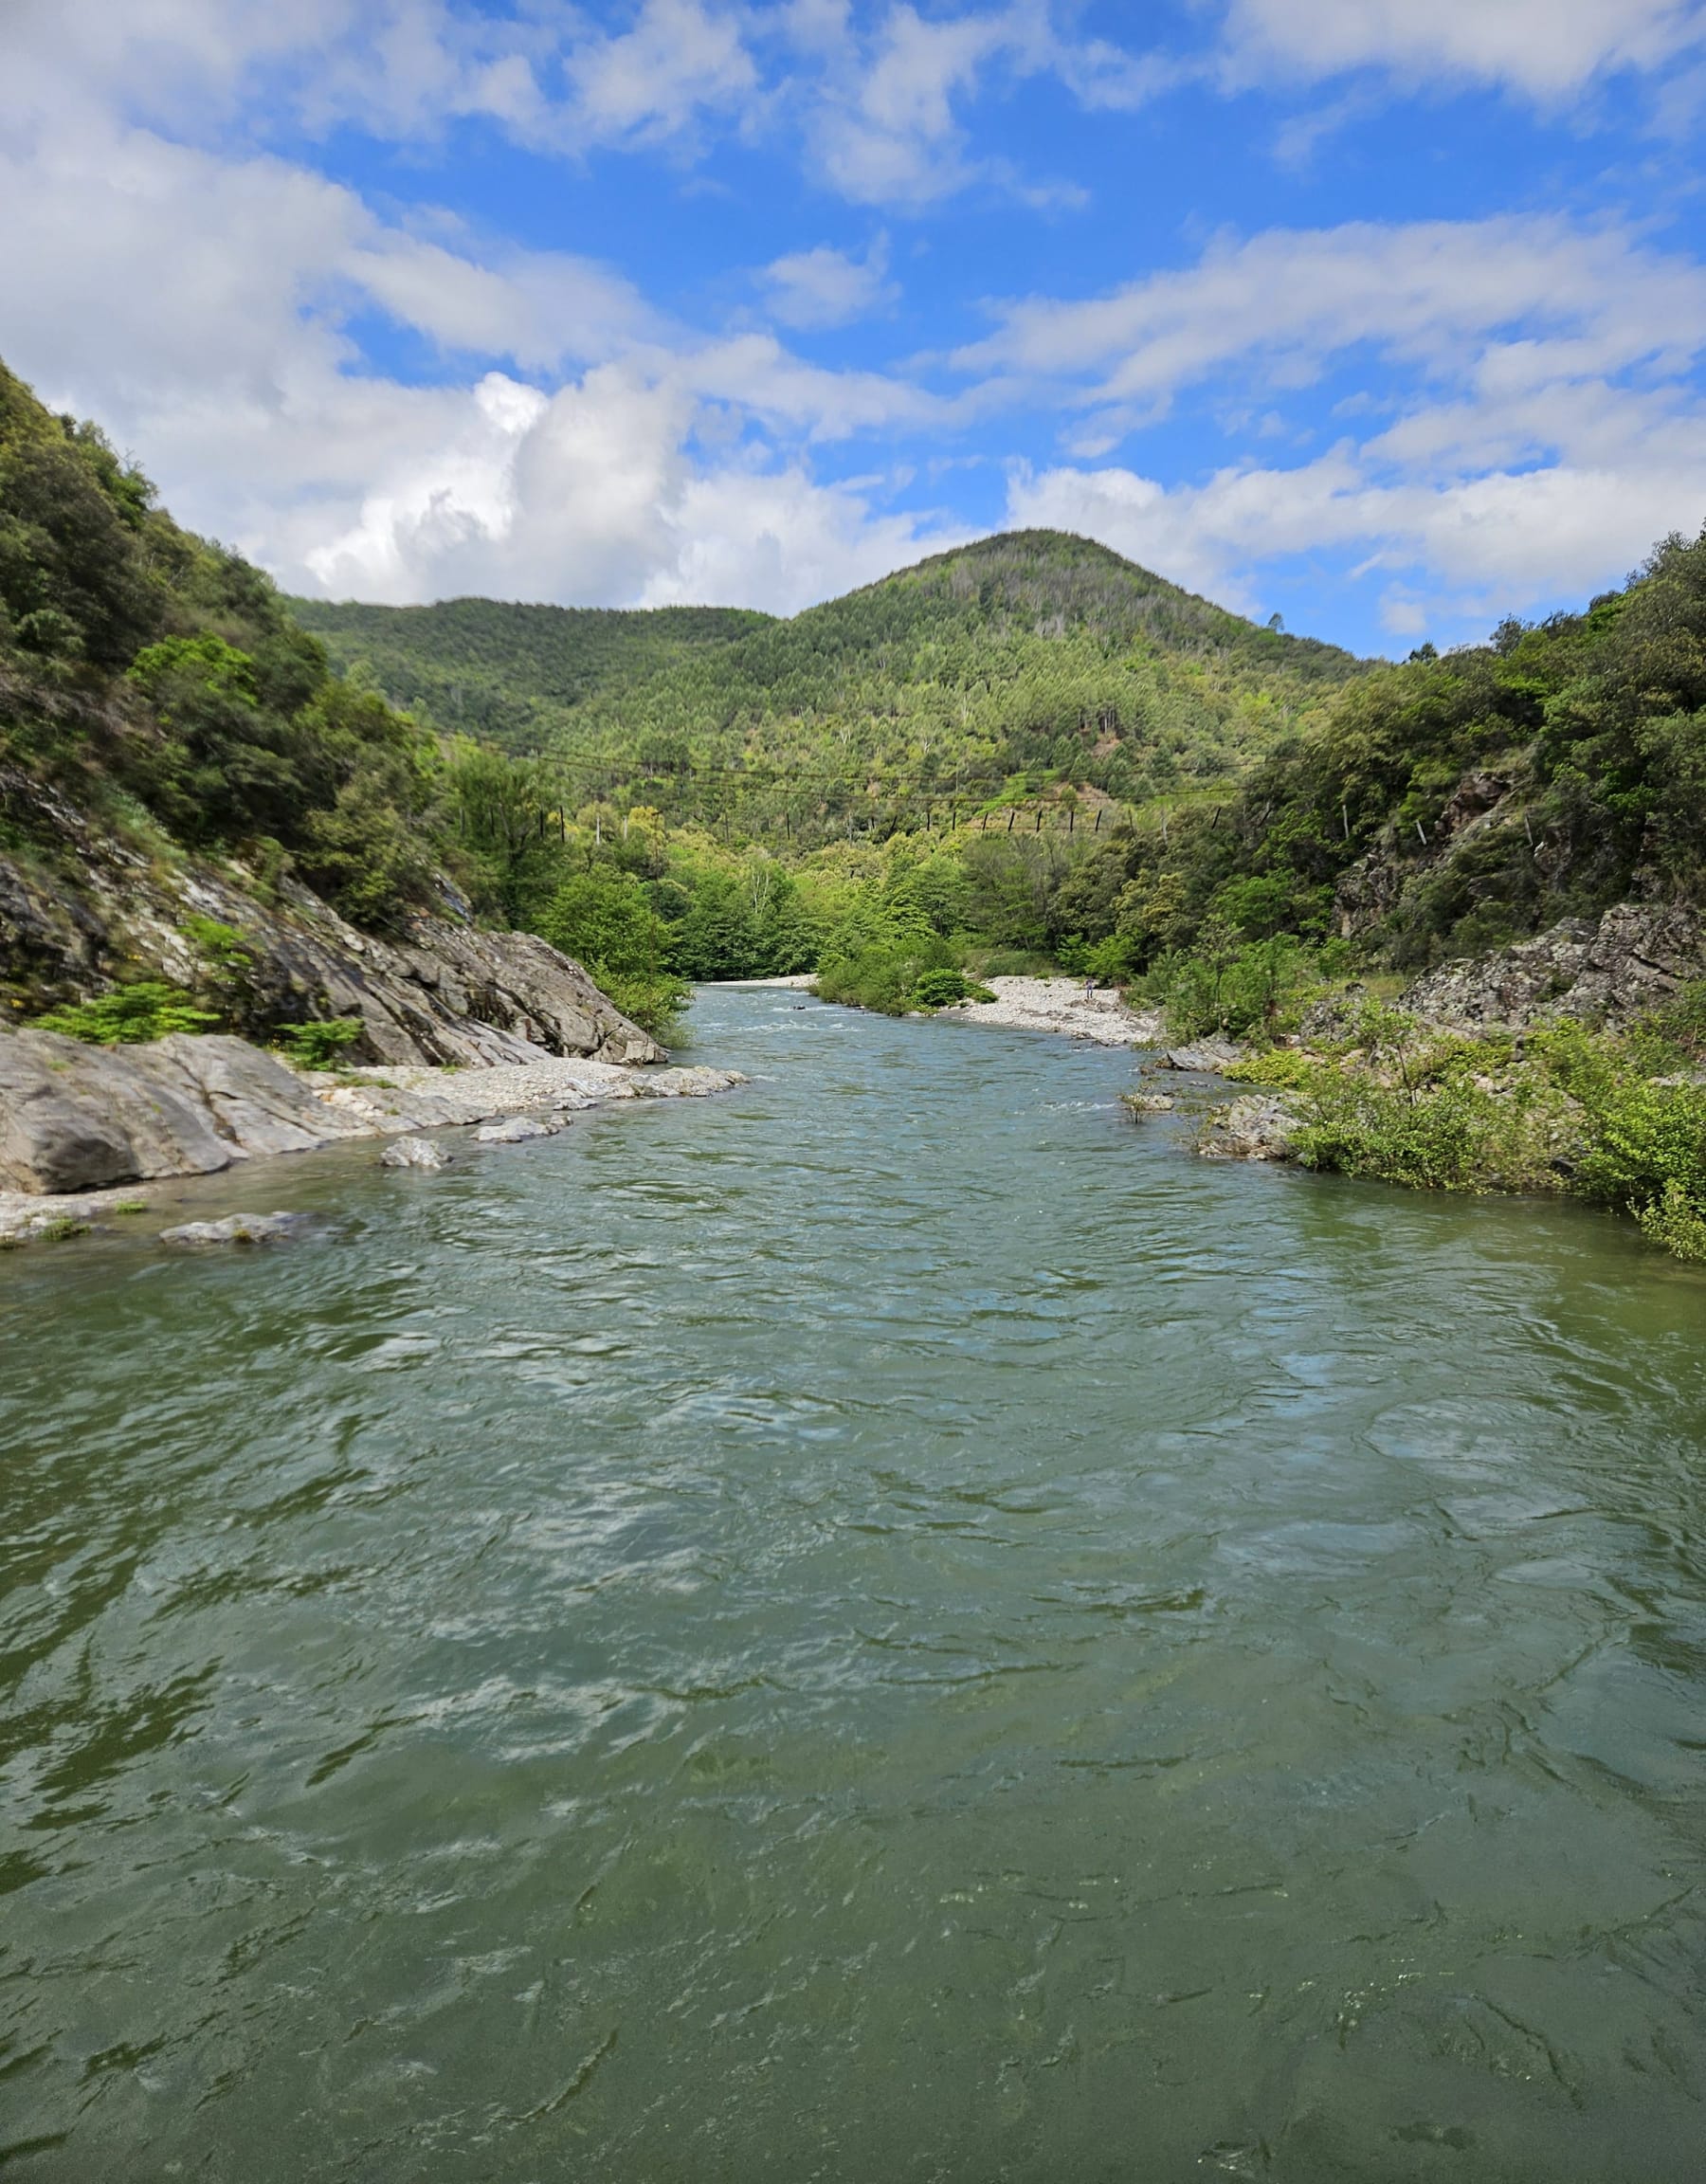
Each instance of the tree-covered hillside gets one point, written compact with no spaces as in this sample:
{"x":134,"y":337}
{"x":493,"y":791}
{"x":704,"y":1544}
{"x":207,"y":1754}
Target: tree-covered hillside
{"x":1024,"y":666}
{"x":509,"y":674}
{"x":1453,"y":803}
{"x":157,"y":682}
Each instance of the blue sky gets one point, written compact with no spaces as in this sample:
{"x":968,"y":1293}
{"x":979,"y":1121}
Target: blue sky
{"x":1387,"y":315}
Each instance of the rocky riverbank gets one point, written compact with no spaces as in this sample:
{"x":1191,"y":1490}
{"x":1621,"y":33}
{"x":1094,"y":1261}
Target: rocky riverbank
{"x":1573,"y":1066}
{"x":82,"y":1127}
{"x":99,"y":911}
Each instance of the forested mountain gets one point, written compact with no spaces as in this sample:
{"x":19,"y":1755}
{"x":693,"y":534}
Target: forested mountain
{"x":721,"y":794}
{"x":510,"y":674}
{"x":1018,"y":666}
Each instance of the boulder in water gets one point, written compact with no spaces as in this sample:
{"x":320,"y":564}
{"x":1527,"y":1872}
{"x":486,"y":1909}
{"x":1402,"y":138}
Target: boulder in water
{"x":1258,"y":1127}
{"x":237,"y":1229}
{"x":413,"y":1153}
{"x":517,"y":1129}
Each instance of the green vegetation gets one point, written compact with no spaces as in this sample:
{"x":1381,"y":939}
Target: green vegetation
{"x":1023,"y":754}
{"x":58,"y":1229}
{"x":323,"y":1044}
{"x":1244,"y":989}
{"x":943,"y":989}
{"x":1032,"y":667}
{"x":605,"y":921}
{"x":690,"y":794}
{"x":1560,"y":1108}
{"x":159,"y":681}
{"x":510,"y":675}
{"x":131,"y":1015}
{"x":1448,"y":806}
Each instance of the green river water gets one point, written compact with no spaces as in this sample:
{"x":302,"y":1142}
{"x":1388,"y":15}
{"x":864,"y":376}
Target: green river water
{"x":887,"y":1626}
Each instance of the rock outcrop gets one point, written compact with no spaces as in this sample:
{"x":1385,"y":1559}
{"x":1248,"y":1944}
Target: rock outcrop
{"x":517,"y":1129}
{"x":437,"y":991}
{"x":413,"y":1153}
{"x":1636,"y":958}
{"x":1207,"y":1056}
{"x":77,"y":1119}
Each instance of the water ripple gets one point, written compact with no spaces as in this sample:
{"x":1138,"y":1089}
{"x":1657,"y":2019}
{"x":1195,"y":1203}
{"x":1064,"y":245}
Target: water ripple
{"x":887,"y":1626}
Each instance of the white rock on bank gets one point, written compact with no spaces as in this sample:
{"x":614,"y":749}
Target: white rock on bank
{"x":1207,"y":1056}
{"x":1257,"y":1127}
{"x":1061,"y":1006}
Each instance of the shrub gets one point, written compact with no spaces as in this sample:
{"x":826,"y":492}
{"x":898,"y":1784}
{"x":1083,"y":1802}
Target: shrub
{"x":1014,"y":963}
{"x":1451,"y":1138}
{"x":942,"y":988}
{"x":323,"y":1044}
{"x":222,"y":944}
{"x":1674,"y":1222}
{"x":605,"y":919}
{"x":1246,"y":989}
{"x":1648,"y":1147}
{"x":130,"y":1016}
{"x":885,"y":975}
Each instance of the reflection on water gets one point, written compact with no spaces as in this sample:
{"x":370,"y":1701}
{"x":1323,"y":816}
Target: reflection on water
{"x":884,"y":1627}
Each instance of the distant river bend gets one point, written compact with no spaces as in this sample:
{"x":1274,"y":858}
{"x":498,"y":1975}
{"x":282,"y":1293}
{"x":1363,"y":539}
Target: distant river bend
{"x":887,"y":1626}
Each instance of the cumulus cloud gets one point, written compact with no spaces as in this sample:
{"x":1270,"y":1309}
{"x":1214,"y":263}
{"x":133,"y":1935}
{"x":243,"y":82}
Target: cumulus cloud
{"x":203,"y":303}
{"x":823,"y":287}
{"x":1547,"y":48}
{"x":592,"y":494}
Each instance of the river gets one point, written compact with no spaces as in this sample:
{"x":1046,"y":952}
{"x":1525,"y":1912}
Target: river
{"x":887,"y":1626}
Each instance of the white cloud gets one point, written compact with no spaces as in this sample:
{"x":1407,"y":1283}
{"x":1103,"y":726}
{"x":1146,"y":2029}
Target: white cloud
{"x":1430,"y":292}
{"x":755,"y":373}
{"x":875,"y":100}
{"x":652,"y":82}
{"x":1530,"y":404}
{"x":888,"y":131}
{"x":593,"y":495}
{"x":779,"y":538}
{"x":1547,"y":48}
{"x":884,"y":119}
{"x":200,"y":305}
{"x":825,"y":287}
{"x":1509,"y":539}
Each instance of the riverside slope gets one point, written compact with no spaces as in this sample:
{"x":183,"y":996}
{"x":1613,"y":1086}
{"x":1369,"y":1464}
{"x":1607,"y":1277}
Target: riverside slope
{"x":438,"y":991}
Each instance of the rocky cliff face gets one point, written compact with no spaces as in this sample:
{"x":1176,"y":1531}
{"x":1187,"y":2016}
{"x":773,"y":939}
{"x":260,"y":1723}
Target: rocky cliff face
{"x":1636,"y":957}
{"x":95,"y":909}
